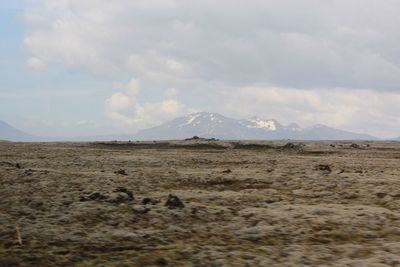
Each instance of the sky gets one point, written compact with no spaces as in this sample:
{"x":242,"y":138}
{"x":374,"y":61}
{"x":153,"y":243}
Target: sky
{"x":94,"y":67}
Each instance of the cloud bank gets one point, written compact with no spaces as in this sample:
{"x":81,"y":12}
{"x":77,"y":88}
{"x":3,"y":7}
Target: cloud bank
{"x":308,"y":48}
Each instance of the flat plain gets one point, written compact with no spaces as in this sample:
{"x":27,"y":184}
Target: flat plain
{"x":200,"y":203}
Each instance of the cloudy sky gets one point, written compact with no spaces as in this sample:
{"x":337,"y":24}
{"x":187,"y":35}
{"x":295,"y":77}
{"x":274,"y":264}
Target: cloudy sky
{"x":70,"y":67}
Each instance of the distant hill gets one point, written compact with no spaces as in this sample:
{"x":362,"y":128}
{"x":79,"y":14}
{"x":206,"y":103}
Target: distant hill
{"x":207,"y":125}
{"x":8,"y":132}
{"x":214,"y":125}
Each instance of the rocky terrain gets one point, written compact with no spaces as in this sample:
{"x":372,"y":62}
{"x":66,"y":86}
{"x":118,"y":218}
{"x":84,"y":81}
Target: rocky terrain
{"x":200,"y":202}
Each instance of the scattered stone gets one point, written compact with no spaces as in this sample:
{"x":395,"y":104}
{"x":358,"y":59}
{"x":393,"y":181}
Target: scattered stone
{"x":332,"y":145}
{"x":124,"y":190}
{"x":119,"y":195}
{"x":121,"y":172}
{"x":18,"y":166}
{"x":28,"y":172}
{"x":324,"y":167}
{"x":227,"y":171}
{"x":174,"y":202}
{"x":93,"y":196}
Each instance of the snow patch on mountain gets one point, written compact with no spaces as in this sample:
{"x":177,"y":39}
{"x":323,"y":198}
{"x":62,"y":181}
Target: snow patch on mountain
{"x":192,"y":118}
{"x":268,"y":125}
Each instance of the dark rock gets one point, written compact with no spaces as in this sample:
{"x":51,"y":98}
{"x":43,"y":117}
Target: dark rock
{"x":200,"y":138}
{"x":332,"y":145}
{"x":18,"y":166}
{"x":292,"y":146}
{"x":194,"y":211}
{"x":28,"y":172}
{"x":354,"y":145}
{"x":148,"y":200}
{"x":324,"y":167}
{"x":121,"y":172}
{"x":395,"y":195}
{"x":227,"y":171}
{"x":174,"y":202}
{"x":380,"y":194}
{"x":117,"y":198}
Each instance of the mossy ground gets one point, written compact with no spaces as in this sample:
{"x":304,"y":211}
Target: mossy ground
{"x":274,"y":208}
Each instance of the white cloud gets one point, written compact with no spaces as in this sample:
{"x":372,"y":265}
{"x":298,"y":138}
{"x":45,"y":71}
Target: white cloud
{"x":307,"y":44}
{"x":171,"y":92}
{"x":150,"y":114}
{"x":125,"y":108}
{"x":133,"y":87}
{"x":364,"y":110}
{"x":264,"y":48}
{"x":35,"y":63}
{"x":119,"y":102}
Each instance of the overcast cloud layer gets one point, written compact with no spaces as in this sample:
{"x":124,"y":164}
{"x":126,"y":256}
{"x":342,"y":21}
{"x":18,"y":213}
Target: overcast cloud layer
{"x":331,"y":62}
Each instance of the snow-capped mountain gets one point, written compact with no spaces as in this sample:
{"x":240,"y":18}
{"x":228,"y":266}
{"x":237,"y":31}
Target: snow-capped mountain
{"x":214,"y":125}
{"x":201,"y":124}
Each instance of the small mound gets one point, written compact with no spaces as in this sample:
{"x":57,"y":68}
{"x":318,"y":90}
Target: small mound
{"x":294,"y":147}
{"x":252,"y":146}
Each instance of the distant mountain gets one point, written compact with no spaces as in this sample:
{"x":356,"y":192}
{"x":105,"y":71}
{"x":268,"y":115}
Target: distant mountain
{"x":207,"y":125}
{"x":8,"y":132}
{"x":322,"y":132}
{"x":210,"y":125}
{"x":202,"y":124}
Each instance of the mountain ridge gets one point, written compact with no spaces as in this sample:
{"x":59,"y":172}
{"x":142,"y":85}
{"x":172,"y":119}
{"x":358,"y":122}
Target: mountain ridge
{"x":207,"y":125}
{"x":214,"y":125}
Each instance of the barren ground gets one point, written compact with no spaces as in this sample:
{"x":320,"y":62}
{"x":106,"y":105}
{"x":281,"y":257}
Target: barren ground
{"x":245,"y":204}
